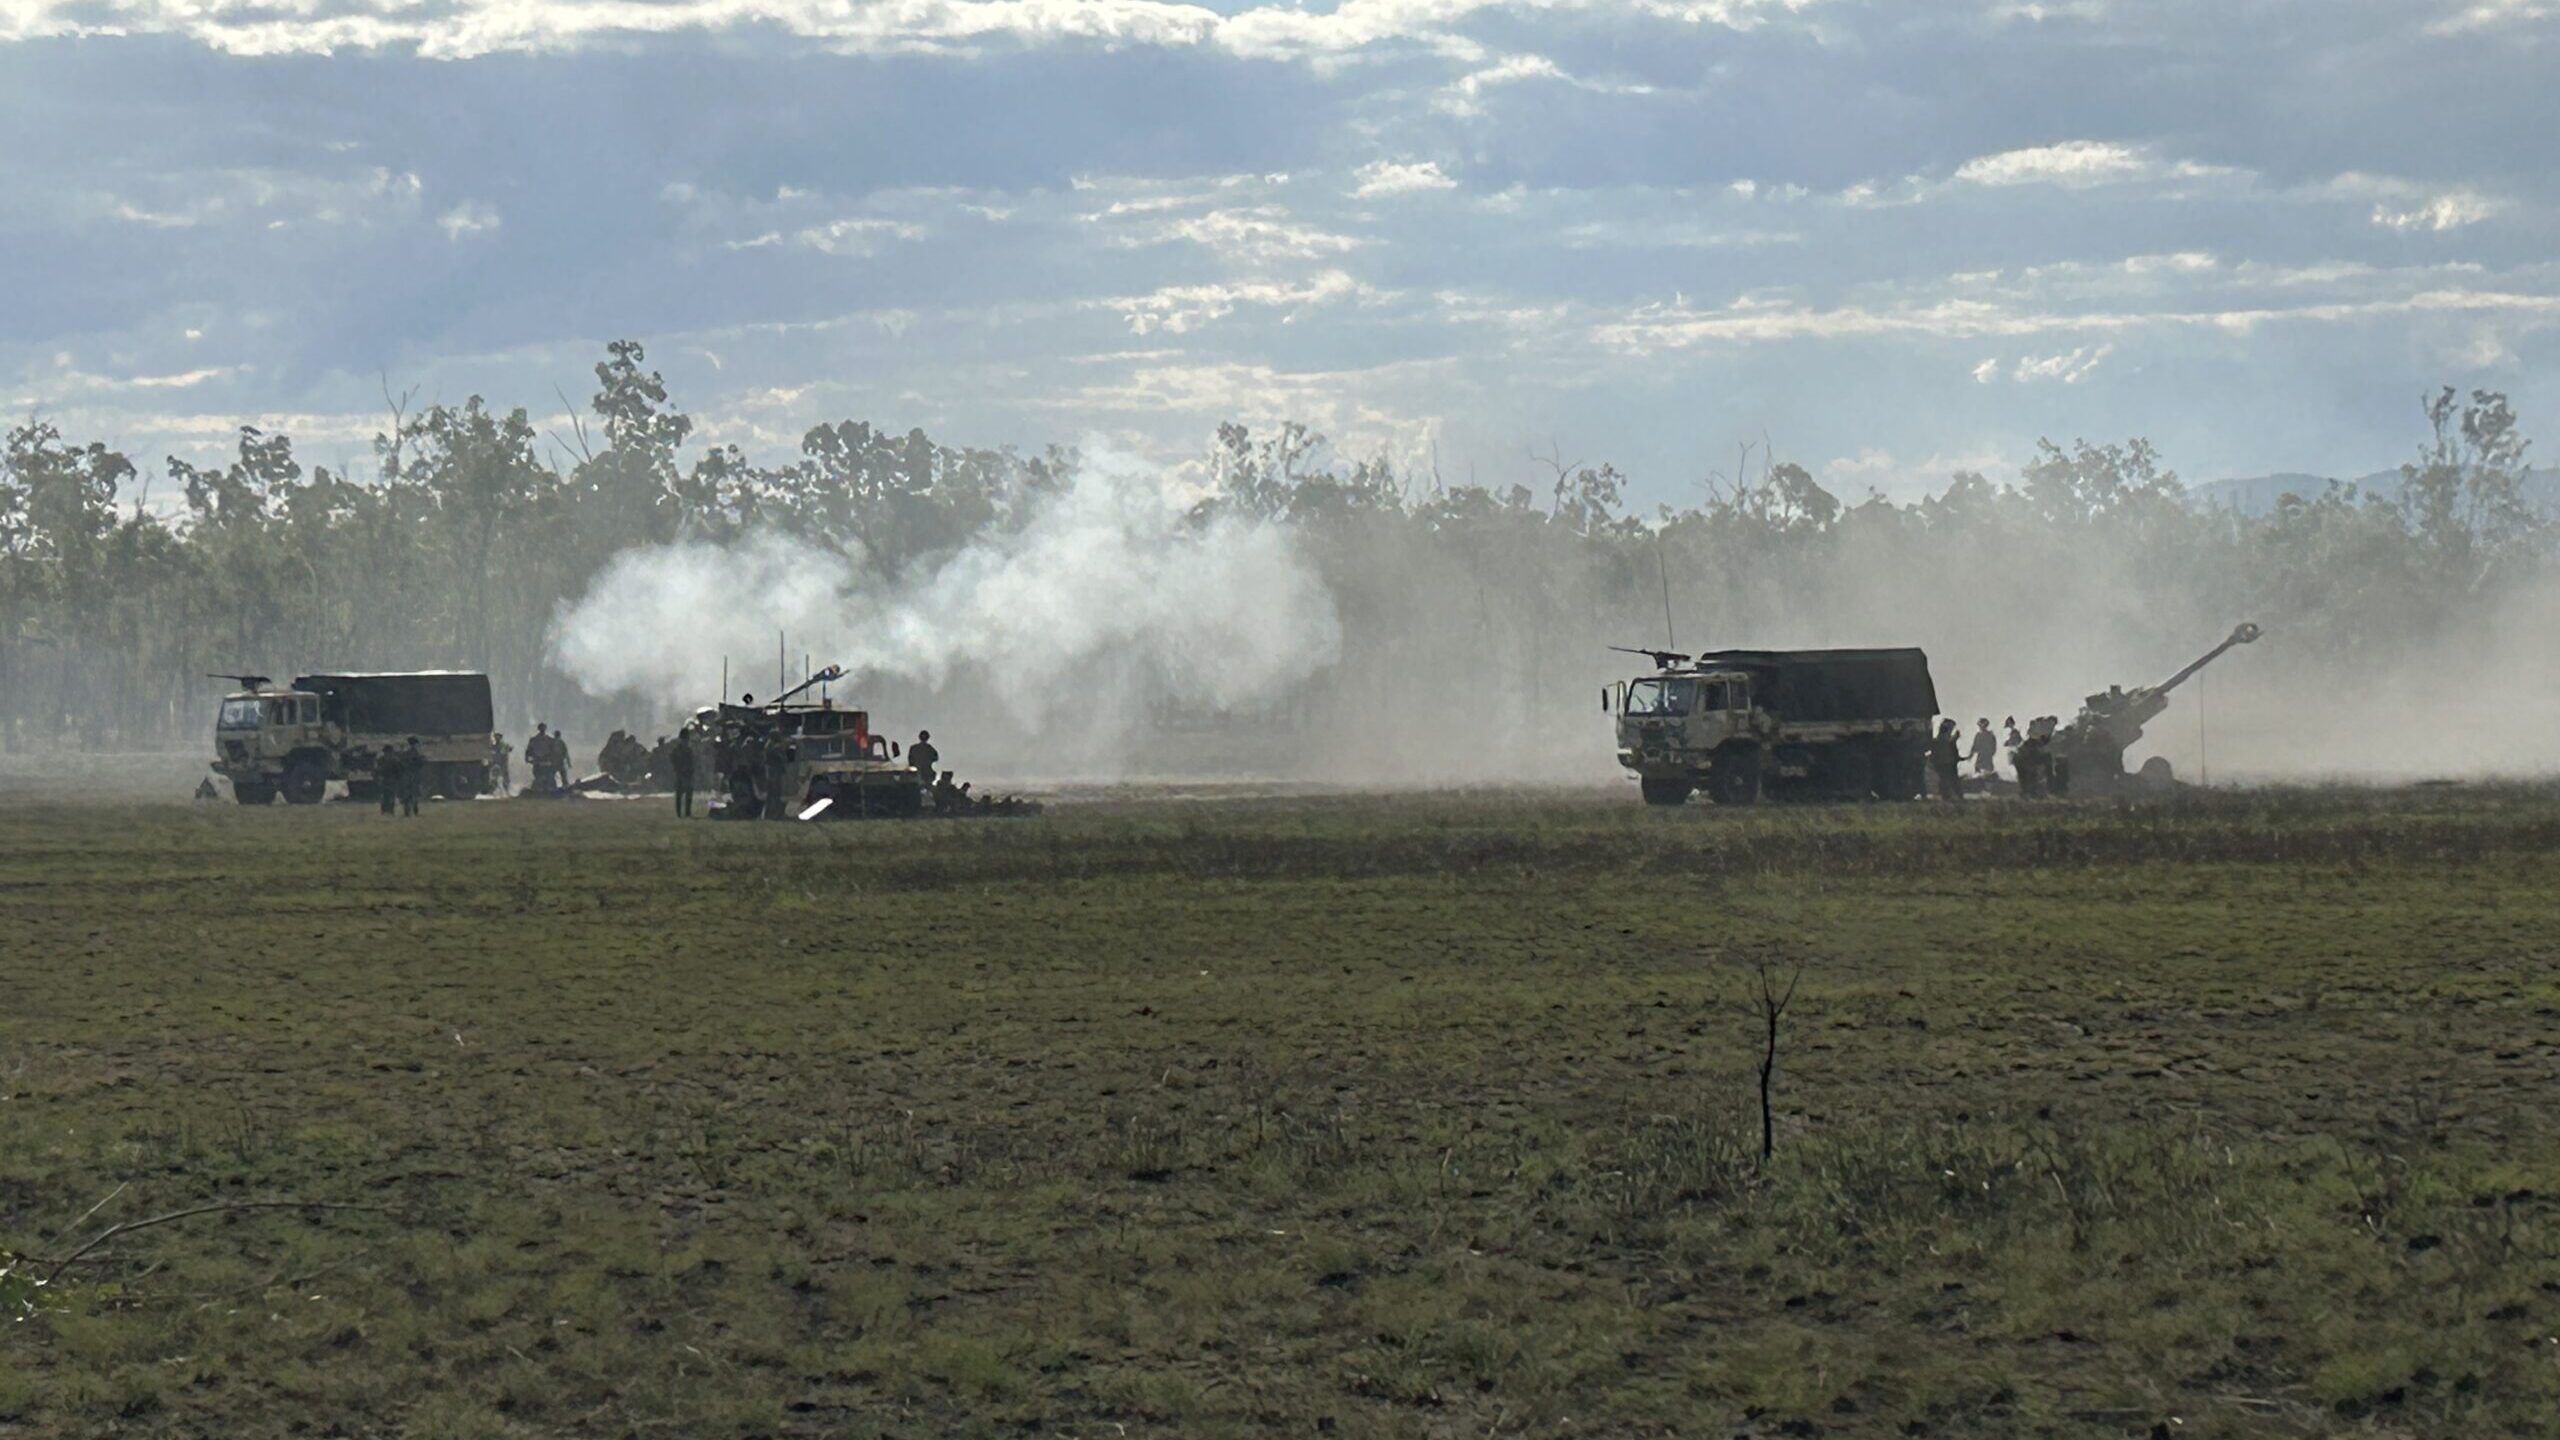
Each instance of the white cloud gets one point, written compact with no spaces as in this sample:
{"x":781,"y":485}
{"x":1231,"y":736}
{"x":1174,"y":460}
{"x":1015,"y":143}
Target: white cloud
{"x":1987,"y":371}
{"x":2070,"y":367}
{"x":1245,"y":235}
{"x":853,"y":235}
{"x":2494,"y":14}
{"x":2082,"y":164}
{"x":1464,"y":96}
{"x":1175,"y":309}
{"x":1401,"y":177}
{"x":2450,"y":211}
{"x":468,"y":218}
{"x":1763,"y":318}
{"x":467,"y":29}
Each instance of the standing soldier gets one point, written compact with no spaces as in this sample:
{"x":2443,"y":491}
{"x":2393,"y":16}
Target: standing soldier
{"x":386,"y":779}
{"x":1986,"y":749}
{"x":502,"y":774}
{"x":680,"y":770}
{"x":413,"y":777}
{"x":1944,"y":762}
{"x":924,"y":757}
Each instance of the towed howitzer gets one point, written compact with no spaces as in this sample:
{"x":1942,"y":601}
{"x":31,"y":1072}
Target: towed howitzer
{"x":2111,"y":721}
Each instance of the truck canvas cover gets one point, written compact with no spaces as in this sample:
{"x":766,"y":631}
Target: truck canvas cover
{"x":427,"y":702}
{"x":1819,"y":686}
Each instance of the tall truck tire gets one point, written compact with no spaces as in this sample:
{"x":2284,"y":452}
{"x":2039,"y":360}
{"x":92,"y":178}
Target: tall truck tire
{"x":1853,"y":773}
{"x":305,"y":783}
{"x":1735,"y":780}
{"x":249,"y":792}
{"x":1666,"y":792}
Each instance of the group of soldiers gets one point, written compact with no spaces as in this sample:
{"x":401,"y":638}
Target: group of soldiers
{"x":547,"y":755}
{"x":400,"y":779}
{"x":2040,"y":772}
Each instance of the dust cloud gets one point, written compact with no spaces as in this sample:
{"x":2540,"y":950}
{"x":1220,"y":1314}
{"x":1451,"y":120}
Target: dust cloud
{"x":1120,"y":632}
{"x":1063,"y":635}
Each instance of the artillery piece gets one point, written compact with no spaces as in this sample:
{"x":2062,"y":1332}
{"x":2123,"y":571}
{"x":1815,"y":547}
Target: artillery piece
{"x":2092,"y":746}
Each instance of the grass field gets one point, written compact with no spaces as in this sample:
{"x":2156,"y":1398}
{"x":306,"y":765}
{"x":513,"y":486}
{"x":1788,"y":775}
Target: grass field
{"x":1426,"y":1116}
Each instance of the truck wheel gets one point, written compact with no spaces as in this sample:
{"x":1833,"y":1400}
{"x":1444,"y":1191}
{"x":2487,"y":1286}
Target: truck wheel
{"x":1853,"y":774}
{"x":465,"y":782}
{"x":1904,"y":774}
{"x":1735,"y":780}
{"x":1666,"y":792}
{"x":305,"y":783}
{"x":250,"y":794}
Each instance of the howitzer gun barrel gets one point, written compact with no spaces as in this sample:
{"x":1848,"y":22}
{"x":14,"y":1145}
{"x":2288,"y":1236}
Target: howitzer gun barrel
{"x":2244,"y":633}
{"x":827,"y":676}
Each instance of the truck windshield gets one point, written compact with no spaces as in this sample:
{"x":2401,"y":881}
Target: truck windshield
{"x":240,"y":713}
{"x":1662,"y":697}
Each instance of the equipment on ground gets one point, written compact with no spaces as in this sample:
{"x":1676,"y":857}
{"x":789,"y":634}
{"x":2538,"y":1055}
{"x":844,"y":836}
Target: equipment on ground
{"x":1741,"y":724}
{"x":294,"y":740}
{"x":2091,"y":748}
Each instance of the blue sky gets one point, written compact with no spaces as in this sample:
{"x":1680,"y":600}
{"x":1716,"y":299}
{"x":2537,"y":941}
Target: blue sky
{"x":1893,"y":239}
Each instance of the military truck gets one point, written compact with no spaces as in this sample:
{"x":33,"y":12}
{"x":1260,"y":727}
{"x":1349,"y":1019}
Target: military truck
{"x":789,"y":758}
{"x":1795,"y":724}
{"x":293,"y":740}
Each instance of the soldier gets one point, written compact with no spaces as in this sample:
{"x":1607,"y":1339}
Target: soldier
{"x":386,"y":779}
{"x":2031,"y":761}
{"x":1945,"y":762}
{"x":1986,"y":749}
{"x":2014,"y":739}
{"x":502,"y":773}
{"x":923,"y":756}
{"x":413,"y":778}
{"x":946,"y":796}
{"x":537,"y":757}
{"x":680,"y":771}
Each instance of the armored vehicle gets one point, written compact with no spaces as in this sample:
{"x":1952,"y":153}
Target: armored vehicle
{"x":778,"y":760}
{"x":271,"y":740}
{"x":2092,"y":747}
{"x":1741,"y":724}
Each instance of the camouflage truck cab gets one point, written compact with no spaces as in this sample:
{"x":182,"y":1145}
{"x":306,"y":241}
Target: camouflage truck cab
{"x":1740,"y":724}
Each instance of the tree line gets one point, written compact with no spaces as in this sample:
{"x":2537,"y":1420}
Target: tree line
{"x":464,"y":543}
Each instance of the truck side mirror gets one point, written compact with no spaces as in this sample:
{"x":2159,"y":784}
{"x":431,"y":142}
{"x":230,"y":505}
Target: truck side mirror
{"x":1604,"y":699}
{"x":894,"y":751}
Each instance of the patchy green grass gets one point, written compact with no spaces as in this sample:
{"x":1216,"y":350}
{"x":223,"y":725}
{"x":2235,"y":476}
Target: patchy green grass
{"x":1428,"y":1116}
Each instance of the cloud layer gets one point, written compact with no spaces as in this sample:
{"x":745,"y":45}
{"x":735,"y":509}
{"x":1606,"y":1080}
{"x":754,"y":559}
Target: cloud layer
{"x":1444,"y":229}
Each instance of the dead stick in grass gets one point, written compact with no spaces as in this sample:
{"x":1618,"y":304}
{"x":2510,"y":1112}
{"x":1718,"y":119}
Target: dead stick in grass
{"x":1773,"y":1008}
{"x":226,"y":1207}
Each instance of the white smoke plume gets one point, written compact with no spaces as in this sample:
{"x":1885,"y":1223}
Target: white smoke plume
{"x":1110,"y":592}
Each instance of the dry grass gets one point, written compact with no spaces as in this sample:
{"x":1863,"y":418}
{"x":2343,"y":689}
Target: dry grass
{"x":1428,"y":1117}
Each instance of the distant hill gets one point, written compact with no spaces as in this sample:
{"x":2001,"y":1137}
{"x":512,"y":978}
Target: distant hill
{"x":2258,"y":494}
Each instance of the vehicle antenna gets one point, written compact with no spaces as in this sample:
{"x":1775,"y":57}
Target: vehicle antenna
{"x":1670,"y":641}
